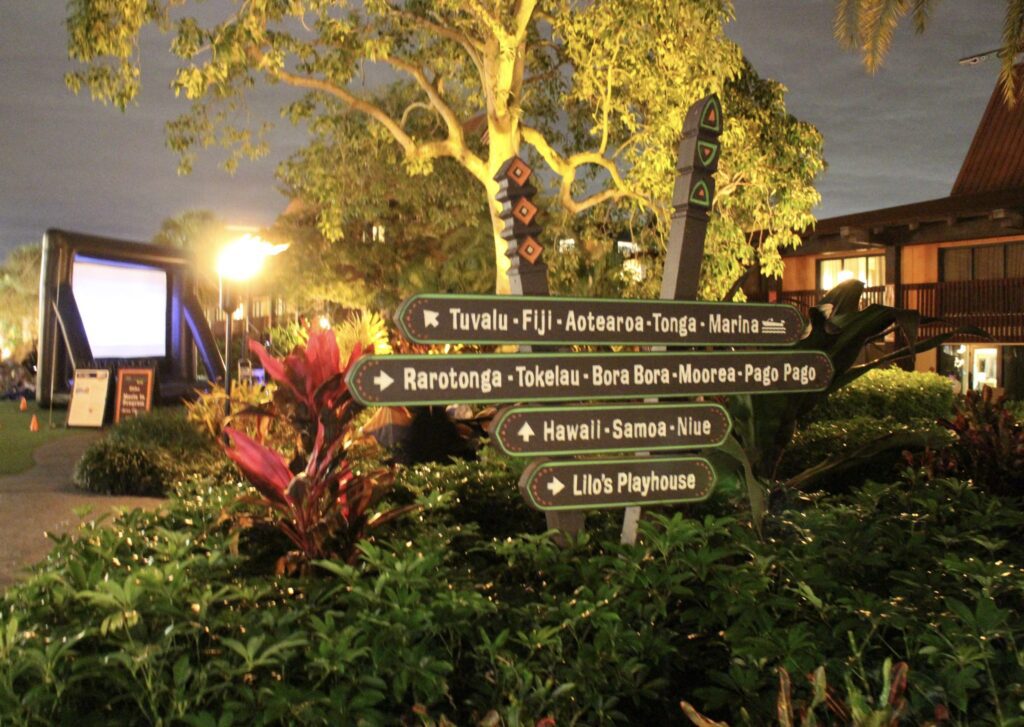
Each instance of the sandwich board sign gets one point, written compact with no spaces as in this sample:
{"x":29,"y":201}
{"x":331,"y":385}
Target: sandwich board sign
{"x":134,"y":393}
{"x":89,"y":398}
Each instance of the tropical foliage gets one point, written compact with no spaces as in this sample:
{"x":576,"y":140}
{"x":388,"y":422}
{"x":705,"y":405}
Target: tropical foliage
{"x":316,"y":497}
{"x":470,"y":614}
{"x":764,"y":425}
{"x":868,"y":26}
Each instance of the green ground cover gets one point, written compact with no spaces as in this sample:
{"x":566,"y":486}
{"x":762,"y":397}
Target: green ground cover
{"x":17,"y":443}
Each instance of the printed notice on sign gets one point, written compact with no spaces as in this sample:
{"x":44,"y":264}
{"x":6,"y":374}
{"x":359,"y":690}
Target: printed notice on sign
{"x":410,"y":380}
{"x":526,"y":320}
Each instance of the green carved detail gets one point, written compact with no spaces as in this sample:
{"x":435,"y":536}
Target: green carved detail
{"x":707,"y":152}
{"x":711,"y":117}
{"x":700,"y":195}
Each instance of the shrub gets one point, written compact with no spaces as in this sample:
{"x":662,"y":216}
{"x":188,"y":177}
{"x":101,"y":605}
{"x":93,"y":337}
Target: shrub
{"x":818,"y":441}
{"x":208,"y":414}
{"x":1016,"y":409}
{"x":144,"y":455}
{"x":987,"y":446}
{"x":155,"y":620}
{"x":116,"y":466}
{"x":904,"y":396}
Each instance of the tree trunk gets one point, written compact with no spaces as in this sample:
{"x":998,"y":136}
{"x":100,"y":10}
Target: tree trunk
{"x":503,"y":144}
{"x":501,"y":261}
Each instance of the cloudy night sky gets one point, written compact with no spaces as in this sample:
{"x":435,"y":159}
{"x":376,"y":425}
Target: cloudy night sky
{"x":68,"y":162}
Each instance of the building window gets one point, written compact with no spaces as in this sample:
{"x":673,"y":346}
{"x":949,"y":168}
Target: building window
{"x":984,"y":262}
{"x":869,"y":269}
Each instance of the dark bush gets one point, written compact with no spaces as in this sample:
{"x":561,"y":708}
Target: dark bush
{"x":904,"y":396}
{"x":818,"y":441}
{"x":144,"y":455}
{"x":118,"y":466}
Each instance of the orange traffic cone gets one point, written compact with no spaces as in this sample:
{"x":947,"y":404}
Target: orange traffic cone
{"x":34,"y":425}
{"x":23,"y":406}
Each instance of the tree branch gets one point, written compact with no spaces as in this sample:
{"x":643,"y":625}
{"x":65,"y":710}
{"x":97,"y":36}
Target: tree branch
{"x":566,"y":170}
{"x":472,"y":47}
{"x":454,"y":147}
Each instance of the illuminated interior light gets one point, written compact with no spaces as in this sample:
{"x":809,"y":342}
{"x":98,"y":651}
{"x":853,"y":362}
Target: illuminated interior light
{"x":325,"y":322}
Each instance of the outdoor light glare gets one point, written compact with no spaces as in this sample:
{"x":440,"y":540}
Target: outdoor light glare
{"x":325,"y":322}
{"x":5,"y":354}
{"x":239,"y":313}
{"x":243,"y":258}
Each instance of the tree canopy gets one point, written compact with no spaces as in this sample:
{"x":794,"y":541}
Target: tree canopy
{"x":19,"y":299}
{"x":596,"y":90}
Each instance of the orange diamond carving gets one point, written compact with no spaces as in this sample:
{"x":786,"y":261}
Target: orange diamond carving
{"x":530,"y":250}
{"x":524,"y":210}
{"x":519,"y":171}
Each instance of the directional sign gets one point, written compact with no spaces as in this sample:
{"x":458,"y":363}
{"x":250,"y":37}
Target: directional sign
{"x":605,"y":483}
{"x":523,"y":431}
{"x":411,"y":380}
{"x":565,"y":321}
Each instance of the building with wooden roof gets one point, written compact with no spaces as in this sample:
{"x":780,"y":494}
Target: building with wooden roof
{"x":959,"y":258}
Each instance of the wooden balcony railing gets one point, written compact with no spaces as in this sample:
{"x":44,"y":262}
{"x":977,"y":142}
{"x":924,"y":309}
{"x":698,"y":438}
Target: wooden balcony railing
{"x":995,"y":306}
{"x":804,"y":299}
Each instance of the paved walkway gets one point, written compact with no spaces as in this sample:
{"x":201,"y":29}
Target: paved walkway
{"x":43,"y":500}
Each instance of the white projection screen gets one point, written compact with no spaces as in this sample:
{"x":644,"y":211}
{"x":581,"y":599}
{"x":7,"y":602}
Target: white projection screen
{"x":123,"y":307}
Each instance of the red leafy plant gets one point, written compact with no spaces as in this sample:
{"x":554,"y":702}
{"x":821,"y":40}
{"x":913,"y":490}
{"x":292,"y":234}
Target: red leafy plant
{"x":317,"y":499}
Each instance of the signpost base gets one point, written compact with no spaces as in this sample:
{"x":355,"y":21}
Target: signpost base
{"x":568,"y":525}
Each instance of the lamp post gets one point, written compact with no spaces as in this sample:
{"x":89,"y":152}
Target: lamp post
{"x":238,"y":261}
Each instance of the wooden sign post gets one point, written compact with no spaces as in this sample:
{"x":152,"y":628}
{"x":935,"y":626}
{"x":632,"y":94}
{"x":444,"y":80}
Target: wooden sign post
{"x":564,"y":489}
{"x":528,"y":271}
{"x":692,"y":196}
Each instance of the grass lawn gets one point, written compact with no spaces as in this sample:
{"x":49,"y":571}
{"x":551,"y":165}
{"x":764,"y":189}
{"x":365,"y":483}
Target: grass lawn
{"x":17,"y":443}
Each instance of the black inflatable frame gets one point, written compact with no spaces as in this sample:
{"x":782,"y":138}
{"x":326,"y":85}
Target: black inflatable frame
{"x":64,"y":345}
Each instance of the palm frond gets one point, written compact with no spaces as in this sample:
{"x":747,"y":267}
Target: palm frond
{"x":876,"y":23}
{"x":844,"y":25}
{"x":921,"y":14}
{"x":1013,"y":44}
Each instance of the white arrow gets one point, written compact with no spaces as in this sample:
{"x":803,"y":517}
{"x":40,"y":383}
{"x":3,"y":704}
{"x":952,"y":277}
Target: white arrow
{"x":555,"y":486}
{"x":431,"y":318}
{"x":383,"y":381}
{"x":526,"y":431}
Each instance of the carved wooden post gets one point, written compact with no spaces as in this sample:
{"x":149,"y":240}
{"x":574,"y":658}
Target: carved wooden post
{"x":528,"y":271}
{"x":692,"y":196}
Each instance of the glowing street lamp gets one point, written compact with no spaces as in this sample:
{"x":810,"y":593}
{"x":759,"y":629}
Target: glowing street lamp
{"x":237,"y":262}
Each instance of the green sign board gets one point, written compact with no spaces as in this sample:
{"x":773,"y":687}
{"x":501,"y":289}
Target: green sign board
{"x":567,"y":321}
{"x":524,"y":431}
{"x":623,"y":482}
{"x":488,"y":378}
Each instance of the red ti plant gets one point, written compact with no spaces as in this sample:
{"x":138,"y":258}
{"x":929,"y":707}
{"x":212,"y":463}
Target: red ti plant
{"x":311,"y":386}
{"x":317,"y":500}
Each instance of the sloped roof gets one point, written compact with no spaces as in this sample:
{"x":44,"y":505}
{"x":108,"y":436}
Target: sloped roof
{"x":995,"y":160}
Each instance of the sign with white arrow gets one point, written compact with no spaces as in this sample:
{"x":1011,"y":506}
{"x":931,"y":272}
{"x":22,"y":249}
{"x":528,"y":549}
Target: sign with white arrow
{"x":524,"y":431}
{"x":566,"y":321}
{"x":625,"y":482}
{"x":465,"y":378}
